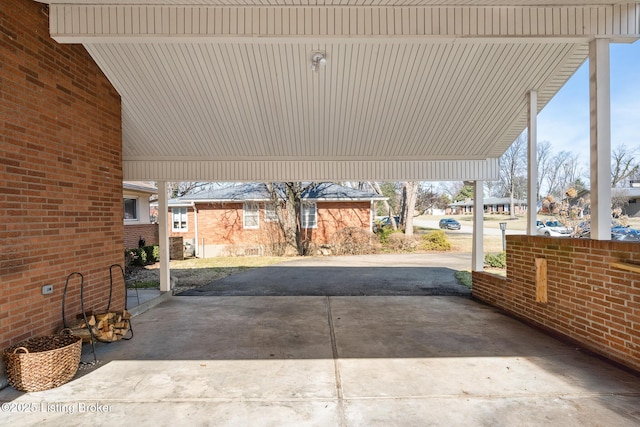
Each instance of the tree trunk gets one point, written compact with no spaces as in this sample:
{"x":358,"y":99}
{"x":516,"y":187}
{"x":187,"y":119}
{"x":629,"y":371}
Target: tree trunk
{"x":512,"y":201}
{"x":293,"y":233}
{"x":410,"y":192}
{"x":376,"y":188}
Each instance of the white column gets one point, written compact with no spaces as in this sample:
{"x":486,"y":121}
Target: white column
{"x":163,"y":225}
{"x":600,"y":100}
{"x":532,"y":164}
{"x":477,"y":250}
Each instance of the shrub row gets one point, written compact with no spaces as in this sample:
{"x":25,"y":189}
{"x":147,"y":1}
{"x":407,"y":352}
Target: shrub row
{"x":496,"y":261}
{"x":142,"y":256}
{"x":397,"y":241}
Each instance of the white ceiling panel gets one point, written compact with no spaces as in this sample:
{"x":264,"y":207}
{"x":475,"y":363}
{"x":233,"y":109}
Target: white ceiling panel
{"x":374,"y":100}
{"x":407,"y":84}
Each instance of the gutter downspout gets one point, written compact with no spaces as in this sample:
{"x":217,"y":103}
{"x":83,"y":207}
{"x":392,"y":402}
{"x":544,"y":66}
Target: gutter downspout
{"x":195,"y":220}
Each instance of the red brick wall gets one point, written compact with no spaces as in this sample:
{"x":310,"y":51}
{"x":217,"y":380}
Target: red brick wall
{"x":133,"y":233}
{"x":588,"y":300}
{"x":334,"y":216}
{"x":60,"y":174}
{"x":222,"y":224}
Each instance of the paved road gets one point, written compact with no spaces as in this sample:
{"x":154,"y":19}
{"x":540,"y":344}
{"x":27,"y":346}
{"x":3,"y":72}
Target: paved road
{"x":371,"y":275}
{"x":464,"y":229}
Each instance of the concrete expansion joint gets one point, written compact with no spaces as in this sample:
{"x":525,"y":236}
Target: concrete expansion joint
{"x":334,"y":349}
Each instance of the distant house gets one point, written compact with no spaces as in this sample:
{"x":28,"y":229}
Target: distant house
{"x":242,"y":219}
{"x":624,"y":200}
{"x":630,"y":198}
{"x":496,"y":205}
{"x":138,"y":224}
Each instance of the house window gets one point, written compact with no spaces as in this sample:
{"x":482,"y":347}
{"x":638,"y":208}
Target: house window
{"x":270,"y":214}
{"x":179,"y":219}
{"x":130,"y":209}
{"x":309,"y":215}
{"x":251,"y":215}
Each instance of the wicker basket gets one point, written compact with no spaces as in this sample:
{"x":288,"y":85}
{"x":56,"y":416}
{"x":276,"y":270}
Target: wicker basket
{"x":43,"y":363}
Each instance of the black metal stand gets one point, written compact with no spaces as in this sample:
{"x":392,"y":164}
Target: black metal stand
{"x":124,"y":283}
{"x":84,"y":312}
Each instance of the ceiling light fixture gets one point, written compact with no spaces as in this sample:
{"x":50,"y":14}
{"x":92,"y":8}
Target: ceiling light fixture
{"x":318,"y":59}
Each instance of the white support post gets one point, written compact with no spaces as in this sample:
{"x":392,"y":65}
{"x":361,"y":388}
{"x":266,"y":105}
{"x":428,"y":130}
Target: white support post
{"x":532,"y":164}
{"x":600,"y":103}
{"x":477,"y":250}
{"x":163,"y":232}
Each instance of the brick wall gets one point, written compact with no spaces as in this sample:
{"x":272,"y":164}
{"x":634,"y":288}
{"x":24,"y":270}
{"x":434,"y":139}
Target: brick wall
{"x":334,"y":216}
{"x":222,"y":224}
{"x":133,"y":233}
{"x":588,"y":300}
{"x":60,"y":175}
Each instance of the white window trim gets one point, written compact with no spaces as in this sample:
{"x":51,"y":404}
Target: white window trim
{"x":245,"y":209}
{"x":303,"y":223}
{"x":186,"y":219}
{"x":270,"y":207}
{"x":137,"y":202}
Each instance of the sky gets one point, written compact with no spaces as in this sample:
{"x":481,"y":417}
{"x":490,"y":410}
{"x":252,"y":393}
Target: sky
{"x":564,"y":122}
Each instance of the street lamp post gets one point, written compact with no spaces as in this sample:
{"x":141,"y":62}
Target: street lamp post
{"x":503,"y":227}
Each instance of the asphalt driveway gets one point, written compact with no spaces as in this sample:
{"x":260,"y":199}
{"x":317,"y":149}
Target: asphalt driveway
{"x":364,"y":275}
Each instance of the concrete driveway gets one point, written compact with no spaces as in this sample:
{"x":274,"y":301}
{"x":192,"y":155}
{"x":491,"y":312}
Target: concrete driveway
{"x":334,"y":361}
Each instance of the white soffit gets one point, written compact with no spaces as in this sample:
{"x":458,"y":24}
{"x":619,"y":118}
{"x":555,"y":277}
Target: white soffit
{"x":227,"y":93}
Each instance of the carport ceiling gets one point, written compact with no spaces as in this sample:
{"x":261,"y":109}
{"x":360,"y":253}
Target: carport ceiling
{"x":436,"y":81}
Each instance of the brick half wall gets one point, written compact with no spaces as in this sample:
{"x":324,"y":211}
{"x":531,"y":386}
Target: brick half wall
{"x":589,"y":301}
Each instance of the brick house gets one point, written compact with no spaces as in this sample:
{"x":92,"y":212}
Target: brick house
{"x":138,"y":223}
{"x":242,"y":219}
{"x":492,"y":205}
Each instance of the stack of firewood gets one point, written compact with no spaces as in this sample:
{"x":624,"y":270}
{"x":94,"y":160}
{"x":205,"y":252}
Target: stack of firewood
{"x":107,"y":327}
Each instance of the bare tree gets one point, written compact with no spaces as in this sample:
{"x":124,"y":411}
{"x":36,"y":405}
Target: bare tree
{"x":451,"y":188}
{"x":555,"y":176}
{"x":571,"y":172}
{"x":623,"y":165}
{"x":287,"y":200}
{"x":180,"y":189}
{"x":491,"y":188}
{"x":427,"y":199}
{"x":544,"y":165}
{"x":376,"y":188}
{"x":512,"y":165}
{"x":409,"y":197}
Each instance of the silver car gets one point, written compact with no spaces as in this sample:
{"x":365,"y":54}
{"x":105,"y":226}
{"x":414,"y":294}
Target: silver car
{"x":552,"y":228}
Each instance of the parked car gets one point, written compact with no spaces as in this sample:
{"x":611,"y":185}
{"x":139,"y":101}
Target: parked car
{"x":552,"y":228}
{"x":449,"y":224}
{"x":624,"y":237}
{"x":384,"y":221}
{"x":618,"y":232}
{"x":624,"y":229}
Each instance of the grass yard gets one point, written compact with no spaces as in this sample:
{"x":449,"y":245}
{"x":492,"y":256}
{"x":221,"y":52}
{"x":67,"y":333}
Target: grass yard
{"x":462,"y":243}
{"x":195,"y":272}
{"x":493,"y":221}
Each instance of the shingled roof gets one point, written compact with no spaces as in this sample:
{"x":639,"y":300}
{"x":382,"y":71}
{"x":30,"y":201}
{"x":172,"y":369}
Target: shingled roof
{"x":259,"y":192}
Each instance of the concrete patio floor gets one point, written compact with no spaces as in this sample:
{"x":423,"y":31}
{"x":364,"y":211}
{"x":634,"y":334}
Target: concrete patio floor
{"x":333,"y":361}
